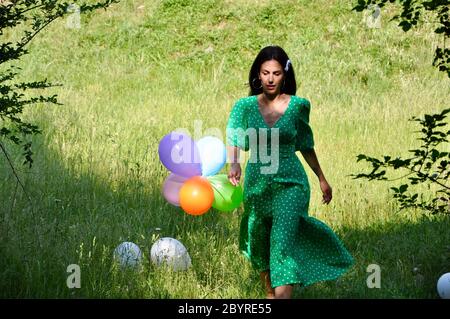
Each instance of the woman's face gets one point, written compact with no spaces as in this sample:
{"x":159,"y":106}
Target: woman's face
{"x":271,"y":75}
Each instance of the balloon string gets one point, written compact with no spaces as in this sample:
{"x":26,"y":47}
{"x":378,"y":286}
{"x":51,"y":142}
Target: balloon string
{"x":213,"y":187}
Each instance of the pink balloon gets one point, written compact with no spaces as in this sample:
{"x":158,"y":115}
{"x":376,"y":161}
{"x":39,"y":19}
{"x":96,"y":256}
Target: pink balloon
{"x":171,"y":188}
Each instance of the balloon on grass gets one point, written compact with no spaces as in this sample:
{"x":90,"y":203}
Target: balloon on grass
{"x":169,"y":251}
{"x":443,"y":286}
{"x":128,"y":254}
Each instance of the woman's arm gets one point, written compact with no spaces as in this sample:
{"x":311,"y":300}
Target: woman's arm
{"x":234,"y":174}
{"x":233,"y":154}
{"x":313,"y":162}
{"x":311,"y":158}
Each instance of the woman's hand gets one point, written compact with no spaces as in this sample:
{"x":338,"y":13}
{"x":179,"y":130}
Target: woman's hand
{"x":234,"y":175}
{"x":326,"y":191}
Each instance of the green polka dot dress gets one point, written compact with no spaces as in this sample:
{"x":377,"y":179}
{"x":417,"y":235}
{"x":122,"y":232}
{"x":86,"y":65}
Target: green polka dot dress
{"x":276,"y":232}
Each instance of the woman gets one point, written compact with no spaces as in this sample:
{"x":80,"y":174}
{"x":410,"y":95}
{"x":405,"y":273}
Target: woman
{"x":276,"y":234}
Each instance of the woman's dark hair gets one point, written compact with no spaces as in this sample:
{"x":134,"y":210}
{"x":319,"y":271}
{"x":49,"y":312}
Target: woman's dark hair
{"x":268,"y":53}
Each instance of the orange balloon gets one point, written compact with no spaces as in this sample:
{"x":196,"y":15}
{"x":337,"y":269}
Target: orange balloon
{"x":196,"y":195}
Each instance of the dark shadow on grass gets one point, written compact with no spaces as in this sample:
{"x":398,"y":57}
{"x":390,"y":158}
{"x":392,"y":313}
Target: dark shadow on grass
{"x":79,"y":218}
{"x":411,"y":256}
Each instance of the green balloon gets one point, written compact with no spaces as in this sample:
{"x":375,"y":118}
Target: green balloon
{"x":226,"y":196}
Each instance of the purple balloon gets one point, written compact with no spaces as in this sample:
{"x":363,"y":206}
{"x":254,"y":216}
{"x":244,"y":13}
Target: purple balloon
{"x":171,"y":188}
{"x":180,"y":155}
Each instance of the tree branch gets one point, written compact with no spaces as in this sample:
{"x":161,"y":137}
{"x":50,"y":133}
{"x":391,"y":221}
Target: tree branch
{"x":14,"y":172}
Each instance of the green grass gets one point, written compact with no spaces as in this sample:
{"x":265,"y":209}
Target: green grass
{"x":130,"y":75}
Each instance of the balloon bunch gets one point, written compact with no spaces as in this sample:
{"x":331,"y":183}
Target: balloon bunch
{"x":193,"y":183}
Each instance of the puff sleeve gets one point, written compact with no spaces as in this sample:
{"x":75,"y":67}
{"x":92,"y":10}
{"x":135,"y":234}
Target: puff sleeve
{"x":305,"y":138}
{"x":237,"y":125}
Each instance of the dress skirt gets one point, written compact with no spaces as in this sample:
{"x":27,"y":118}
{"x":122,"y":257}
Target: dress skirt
{"x":277,"y":234}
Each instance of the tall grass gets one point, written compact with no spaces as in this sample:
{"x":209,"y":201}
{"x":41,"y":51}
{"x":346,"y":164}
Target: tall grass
{"x":141,"y":69}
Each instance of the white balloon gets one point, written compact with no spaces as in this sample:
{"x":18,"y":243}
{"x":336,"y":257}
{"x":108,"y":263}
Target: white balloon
{"x":171,"y":252}
{"x":213,"y":154}
{"x":128,"y":254}
{"x":443,"y":286}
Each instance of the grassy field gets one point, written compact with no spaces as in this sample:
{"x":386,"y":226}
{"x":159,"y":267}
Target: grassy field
{"x":141,"y":69}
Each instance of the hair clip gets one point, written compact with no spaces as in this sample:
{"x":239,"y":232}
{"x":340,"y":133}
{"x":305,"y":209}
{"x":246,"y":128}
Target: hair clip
{"x":286,"y":68}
